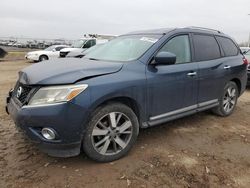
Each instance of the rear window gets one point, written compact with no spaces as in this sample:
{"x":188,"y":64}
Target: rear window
{"x":228,"y":46}
{"x":206,"y":48}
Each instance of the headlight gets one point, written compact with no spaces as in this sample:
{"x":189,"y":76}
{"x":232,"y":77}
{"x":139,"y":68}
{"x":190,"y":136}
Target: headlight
{"x":55,"y":94}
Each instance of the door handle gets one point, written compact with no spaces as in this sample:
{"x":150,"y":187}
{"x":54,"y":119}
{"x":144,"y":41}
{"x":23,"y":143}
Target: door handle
{"x":227,"y":67}
{"x":192,"y":74}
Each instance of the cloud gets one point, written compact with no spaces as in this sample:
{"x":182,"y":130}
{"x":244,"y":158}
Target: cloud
{"x":71,"y":19}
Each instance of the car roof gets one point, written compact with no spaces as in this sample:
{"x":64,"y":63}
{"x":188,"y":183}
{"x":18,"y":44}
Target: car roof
{"x":163,"y":31}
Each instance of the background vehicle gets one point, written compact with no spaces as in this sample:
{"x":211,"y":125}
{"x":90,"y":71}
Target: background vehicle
{"x":2,"y":53}
{"x":83,"y":52}
{"x":79,"y":46}
{"x":246,"y":52}
{"x":138,"y":80}
{"x":51,"y":52}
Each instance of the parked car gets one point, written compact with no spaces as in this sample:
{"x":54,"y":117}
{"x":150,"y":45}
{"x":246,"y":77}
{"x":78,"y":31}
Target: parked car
{"x":81,"y":54}
{"x":81,"y":45}
{"x":51,"y":52}
{"x":138,"y":80}
{"x":246,"y":52}
{"x":3,"y":53}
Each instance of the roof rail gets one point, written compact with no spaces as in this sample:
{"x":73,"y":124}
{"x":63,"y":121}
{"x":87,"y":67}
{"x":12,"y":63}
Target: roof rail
{"x":204,"y":28}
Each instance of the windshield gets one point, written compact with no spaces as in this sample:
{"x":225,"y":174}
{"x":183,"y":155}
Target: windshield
{"x":124,"y":48}
{"x":78,"y":44}
{"x":49,"y":48}
{"x":91,"y":48}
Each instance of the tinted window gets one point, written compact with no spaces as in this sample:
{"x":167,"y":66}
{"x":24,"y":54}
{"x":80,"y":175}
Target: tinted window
{"x":89,"y":44}
{"x":229,"y":48}
{"x":180,"y":47}
{"x":59,"y":48}
{"x":206,"y":48}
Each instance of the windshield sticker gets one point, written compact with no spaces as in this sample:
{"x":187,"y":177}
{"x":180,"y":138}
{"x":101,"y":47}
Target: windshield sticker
{"x":148,"y":39}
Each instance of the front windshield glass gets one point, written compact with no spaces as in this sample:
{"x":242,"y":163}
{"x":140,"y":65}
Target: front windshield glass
{"x":78,"y":44}
{"x":124,"y":48}
{"x":91,"y":48}
{"x":49,"y":48}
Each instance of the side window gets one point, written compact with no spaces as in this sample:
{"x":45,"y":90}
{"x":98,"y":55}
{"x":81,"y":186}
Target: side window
{"x":89,"y":44}
{"x":93,"y":42}
{"x":179,"y":46}
{"x":206,"y":48}
{"x":228,"y":46}
{"x":59,"y":48}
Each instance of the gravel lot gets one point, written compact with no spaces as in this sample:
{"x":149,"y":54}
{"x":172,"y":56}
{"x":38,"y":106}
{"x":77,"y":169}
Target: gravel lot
{"x":202,"y":150}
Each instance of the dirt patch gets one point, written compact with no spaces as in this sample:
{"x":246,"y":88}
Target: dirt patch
{"x":202,"y":150}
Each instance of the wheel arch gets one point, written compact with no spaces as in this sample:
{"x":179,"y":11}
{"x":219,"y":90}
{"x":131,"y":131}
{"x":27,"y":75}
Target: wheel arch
{"x":238,"y":83}
{"x":128,"y":101}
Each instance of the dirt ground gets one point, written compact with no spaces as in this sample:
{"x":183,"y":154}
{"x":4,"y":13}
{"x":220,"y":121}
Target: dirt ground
{"x":202,"y":150}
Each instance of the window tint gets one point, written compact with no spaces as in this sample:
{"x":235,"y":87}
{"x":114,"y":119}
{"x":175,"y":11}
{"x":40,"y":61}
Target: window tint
{"x":180,"y":47}
{"x":59,"y":48}
{"x":229,"y":48}
{"x":89,"y":44}
{"x":206,"y":48}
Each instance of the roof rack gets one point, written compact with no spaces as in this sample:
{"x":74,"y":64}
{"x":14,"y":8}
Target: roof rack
{"x":203,"y":28}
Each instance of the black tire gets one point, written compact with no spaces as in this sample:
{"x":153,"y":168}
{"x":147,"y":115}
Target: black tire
{"x":43,"y":58}
{"x":220,"y":110}
{"x":88,"y":143}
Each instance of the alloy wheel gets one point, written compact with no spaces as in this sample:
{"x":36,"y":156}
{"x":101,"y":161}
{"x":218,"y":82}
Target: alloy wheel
{"x":112,"y":133}
{"x":229,"y":99}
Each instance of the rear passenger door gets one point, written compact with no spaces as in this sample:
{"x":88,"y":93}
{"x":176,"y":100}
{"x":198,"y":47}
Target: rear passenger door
{"x":211,"y":69}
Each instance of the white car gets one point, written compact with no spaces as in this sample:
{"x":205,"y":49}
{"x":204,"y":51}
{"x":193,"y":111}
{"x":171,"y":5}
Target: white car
{"x":246,"y":52}
{"x":80,"y":45}
{"x":51,"y":52}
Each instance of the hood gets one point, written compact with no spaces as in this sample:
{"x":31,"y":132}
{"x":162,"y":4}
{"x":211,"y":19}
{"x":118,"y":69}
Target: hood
{"x":66,"y":71}
{"x":70,"y":49}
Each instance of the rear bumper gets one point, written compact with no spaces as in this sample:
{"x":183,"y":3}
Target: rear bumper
{"x":66,"y":119}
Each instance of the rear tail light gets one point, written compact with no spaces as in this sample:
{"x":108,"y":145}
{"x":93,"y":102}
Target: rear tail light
{"x":245,"y":62}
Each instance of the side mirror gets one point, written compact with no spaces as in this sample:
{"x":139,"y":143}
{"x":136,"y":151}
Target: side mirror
{"x":53,"y":50}
{"x":165,"y":58}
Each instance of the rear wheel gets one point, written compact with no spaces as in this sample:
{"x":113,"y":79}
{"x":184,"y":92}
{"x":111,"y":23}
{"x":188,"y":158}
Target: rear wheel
{"x":43,"y":58}
{"x":228,"y":100}
{"x":111,"y":133}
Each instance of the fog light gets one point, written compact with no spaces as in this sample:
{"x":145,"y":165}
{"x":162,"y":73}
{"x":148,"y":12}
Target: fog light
{"x":48,"y":133}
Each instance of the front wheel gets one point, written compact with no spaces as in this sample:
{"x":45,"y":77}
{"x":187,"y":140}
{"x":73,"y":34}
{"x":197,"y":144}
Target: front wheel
{"x":228,"y":100}
{"x":111,"y":133}
{"x":43,"y":58}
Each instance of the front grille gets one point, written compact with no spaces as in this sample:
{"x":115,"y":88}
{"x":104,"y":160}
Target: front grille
{"x":21,"y":92}
{"x":63,"y":54}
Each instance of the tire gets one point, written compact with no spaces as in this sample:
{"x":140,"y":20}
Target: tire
{"x":43,"y":58}
{"x":116,"y":137}
{"x":227,"y":102}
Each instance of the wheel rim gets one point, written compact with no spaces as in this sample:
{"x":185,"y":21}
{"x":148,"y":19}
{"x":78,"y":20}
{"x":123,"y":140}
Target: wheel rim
{"x":43,"y":58}
{"x":229,"y":99}
{"x":112,"y":133}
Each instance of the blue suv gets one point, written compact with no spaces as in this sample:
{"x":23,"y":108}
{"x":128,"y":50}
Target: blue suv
{"x":98,"y":104}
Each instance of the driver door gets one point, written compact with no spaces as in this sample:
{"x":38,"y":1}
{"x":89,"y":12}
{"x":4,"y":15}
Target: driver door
{"x":172,"y":89}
